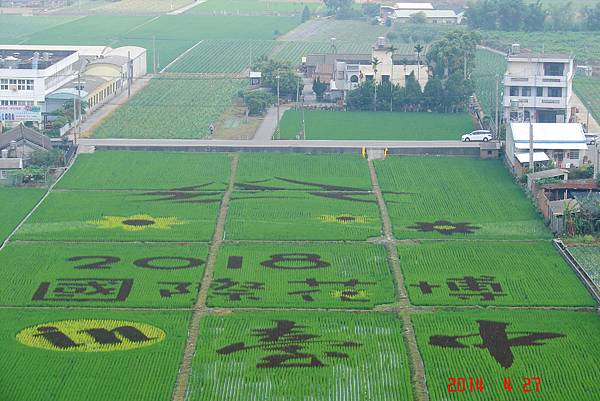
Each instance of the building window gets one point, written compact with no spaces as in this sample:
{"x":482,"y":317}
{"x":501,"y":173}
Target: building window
{"x":385,"y":78}
{"x":25,"y":84}
{"x":574,"y":155}
{"x":554,"y":92}
{"x":369,"y":77}
{"x":554,"y":69}
{"x":3,"y":175}
{"x":8,"y":102}
{"x":514,"y":91}
{"x":539,"y":92}
{"x":4,"y":84}
{"x":526,"y":91}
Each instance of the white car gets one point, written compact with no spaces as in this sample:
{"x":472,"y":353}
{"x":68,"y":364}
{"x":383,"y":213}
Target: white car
{"x":480,"y":135}
{"x":591,"y":139}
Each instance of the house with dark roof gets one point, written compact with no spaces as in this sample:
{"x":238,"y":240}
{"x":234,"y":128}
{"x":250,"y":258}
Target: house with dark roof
{"x":21,"y":141}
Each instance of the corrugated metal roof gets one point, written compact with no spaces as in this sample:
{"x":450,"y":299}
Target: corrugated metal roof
{"x":413,"y":6}
{"x":428,"y":13}
{"x":537,"y":157}
{"x":549,"y":136}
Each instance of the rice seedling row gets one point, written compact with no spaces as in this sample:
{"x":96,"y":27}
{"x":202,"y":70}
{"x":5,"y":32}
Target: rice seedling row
{"x":339,"y":276}
{"x":101,"y":275}
{"x":317,"y":356}
{"x":489,"y":274}
{"x":589,"y":258}
{"x":15,"y":203}
{"x":90,"y":355}
{"x":502,"y":349}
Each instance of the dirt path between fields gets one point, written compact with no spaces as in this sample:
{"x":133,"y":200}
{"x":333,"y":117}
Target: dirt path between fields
{"x":417,"y":368}
{"x":200,"y":308}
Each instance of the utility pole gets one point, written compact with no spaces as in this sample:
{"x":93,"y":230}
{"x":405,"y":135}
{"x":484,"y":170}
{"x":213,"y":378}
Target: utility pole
{"x":497,"y":106}
{"x":78,"y":103}
{"x":531,"y":162}
{"x":129,"y":80}
{"x":278,"y":130}
{"x":303,"y":123}
{"x":154,"y":53}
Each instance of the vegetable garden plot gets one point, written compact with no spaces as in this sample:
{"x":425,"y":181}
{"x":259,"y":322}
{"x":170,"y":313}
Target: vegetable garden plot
{"x":300,"y":356}
{"x":227,"y":56}
{"x":299,"y":215}
{"x":64,"y":355}
{"x":489,"y":274}
{"x":353,"y":276}
{"x":172,"y":107}
{"x":15,"y":203}
{"x":304,"y":172}
{"x":587,"y":89}
{"x":453,"y":197}
{"x":589,"y":258}
{"x":184,"y":172}
{"x":103,"y":275}
{"x":560,"y":348}
{"x":124,"y":216}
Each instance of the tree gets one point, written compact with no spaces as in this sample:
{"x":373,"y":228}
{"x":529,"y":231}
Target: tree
{"x":270,"y":69}
{"x":457,"y":94}
{"x":454,"y":52}
{"x":413,"y":94}
{"x":258,"y":101}
{"x":375,"y":62}
{"x":418,"y":18}
{"x":433,"y":94}
{"x":319,"y":88}
{"x":592,"y":18}
{"x":337,"y":5}
{"x":534,"y":17}
{"x":305,"y":14}
{"x":419,"y":50}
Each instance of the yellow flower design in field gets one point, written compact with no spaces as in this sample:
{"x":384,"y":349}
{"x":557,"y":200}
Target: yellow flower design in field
{"x":344,"y":219}
{"x":350,"y":294}
{"x":138,"y":222}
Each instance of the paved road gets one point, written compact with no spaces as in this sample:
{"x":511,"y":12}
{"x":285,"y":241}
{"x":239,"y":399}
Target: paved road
{"x":201,"y":143}
{"x":267,"y":128}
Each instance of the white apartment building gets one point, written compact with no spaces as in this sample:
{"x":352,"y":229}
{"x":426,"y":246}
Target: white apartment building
{"x":538,"y":87}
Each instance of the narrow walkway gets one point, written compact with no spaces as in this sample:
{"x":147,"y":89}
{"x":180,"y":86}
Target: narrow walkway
{"x":267,"y":127}
{"x":95,"y":119}
{"x":200,"y":309}
{"x":185,"y":8}
{"x":416,"y":362}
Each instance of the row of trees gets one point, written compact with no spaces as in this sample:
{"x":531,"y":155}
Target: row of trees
{"x":516,"y":15}
{"x":451,"y":61}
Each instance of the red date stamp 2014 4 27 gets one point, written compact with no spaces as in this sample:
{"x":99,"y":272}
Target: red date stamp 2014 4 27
{"x":476,"y":384}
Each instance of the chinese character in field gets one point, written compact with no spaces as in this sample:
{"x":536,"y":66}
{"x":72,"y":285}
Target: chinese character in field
{"x":84,"y":289}
{"x":170,"y":288}
{"x":235,"y":290}
{"x":347,"y":290}
{"x":287,"y":345}
{"x":465,"y":287}
{"x":496,"y":340}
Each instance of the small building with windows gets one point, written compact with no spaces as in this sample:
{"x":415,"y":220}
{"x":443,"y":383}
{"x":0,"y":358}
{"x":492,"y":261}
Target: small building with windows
{"x":562,"y":144}
{"x":538,"y":87}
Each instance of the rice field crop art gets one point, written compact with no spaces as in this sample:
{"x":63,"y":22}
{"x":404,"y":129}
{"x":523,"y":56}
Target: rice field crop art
{"x":15,"y":203}
{"x":489,"y":274}
{"x":101,"y":275}
{"x":124,"y":216}
{"x":302,"y":172}
{"x":176,"y":171}
{"x":512,"y":355}
{"x":94,"y":355}
{"x":456,"y":197}
{"x":300,"y":215}
{"x":354,"y":276}
{"x":251,"y":356}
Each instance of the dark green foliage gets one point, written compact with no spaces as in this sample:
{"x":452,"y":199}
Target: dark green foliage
{"x":258,"y":101}
{"x":319,"y":88}
{"x":271,"y":69}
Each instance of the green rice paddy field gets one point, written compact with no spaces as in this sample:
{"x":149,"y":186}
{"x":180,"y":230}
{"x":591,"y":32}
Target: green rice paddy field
{"x":117,"y":286}
{"x":376,"y":125}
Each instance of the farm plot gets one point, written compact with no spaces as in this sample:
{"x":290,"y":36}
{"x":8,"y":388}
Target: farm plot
{"x":149,"y":275}
{"x":226,"y":56}
{"x":588,"y":90}
{"x":123,"y":216}
{"x":304,"y":172}
{"x":487,"y":66}
{"x":560,"y":348}
{"x":142,"y":6}
{"x":256,"y":7}
{"x":179,"y":172}
{"x":453,"y":197}
{"x":589,"y":258}
{"x":293,"y":52}
{"x":322,"y":30}
{"x":338,"y":276}
{"x":489,"y":274}
{"x":15,"y":26}
{"x":15,"y":203}
{"x":172,"y":107}
{"x":344,"y":125}
{"x":299,"y":215}
{"x":300,"y":356}
{"x":90,"y":355}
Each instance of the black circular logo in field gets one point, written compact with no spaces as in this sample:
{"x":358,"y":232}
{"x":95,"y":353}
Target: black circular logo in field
{"x":138,"y":222}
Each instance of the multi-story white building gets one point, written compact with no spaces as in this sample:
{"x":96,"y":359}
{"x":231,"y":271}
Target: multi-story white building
{"x":538,"y":87}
